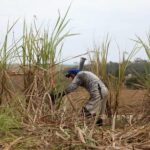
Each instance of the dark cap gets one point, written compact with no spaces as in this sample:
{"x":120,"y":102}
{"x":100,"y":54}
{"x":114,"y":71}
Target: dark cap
{"x":72,"y":71}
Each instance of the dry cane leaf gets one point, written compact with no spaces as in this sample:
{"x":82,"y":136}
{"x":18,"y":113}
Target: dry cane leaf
{"x":59,"y":135}
{"x":12,"y":143}
{"x":80,"y":134}
{"x":65,"y":132}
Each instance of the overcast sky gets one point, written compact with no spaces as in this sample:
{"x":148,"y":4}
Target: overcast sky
{"x":93,"y":19}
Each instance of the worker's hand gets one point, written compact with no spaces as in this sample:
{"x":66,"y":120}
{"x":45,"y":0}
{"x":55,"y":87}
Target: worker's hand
{"x":55,"y":96}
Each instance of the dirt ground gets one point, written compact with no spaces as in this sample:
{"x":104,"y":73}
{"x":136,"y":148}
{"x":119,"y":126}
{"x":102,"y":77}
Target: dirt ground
{"x":65,"y":132}
{"x":130,"y":100}
{"x":131,"y":97}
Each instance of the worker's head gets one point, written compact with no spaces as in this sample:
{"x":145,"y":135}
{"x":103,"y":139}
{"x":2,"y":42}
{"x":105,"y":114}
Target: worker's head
{"x":71,"y":73}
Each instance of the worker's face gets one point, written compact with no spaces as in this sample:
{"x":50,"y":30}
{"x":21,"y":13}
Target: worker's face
{"x":71,"y":76}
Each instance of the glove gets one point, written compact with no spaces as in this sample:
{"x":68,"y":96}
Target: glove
{"x":54,"y":96}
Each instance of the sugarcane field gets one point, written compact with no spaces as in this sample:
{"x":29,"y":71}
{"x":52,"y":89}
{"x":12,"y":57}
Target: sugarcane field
{"x":84,"y":101}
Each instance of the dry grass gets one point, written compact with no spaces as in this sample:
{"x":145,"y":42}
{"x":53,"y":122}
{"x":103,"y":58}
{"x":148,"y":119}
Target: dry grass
{"x":65,"y":128}
{"x":70,"y":134}
{"x":44,"y":126}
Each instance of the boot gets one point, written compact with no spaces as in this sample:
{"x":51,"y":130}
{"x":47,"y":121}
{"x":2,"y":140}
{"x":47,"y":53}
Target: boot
{"x":99,"y":122}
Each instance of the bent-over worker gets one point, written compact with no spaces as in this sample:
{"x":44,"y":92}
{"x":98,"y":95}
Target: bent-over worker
{"x":96,"y":88}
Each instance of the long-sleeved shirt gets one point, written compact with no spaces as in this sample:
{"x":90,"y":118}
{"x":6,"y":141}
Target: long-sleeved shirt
{"x":85,"y":79}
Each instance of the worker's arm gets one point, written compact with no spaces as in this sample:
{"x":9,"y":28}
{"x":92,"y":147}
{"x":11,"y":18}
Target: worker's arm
{"x":73,"y":85}
{"x":54,"y":96}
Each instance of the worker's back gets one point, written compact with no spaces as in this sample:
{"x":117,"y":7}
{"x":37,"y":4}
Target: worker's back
{"x":97,"y":90}
{"x":86,"y":79}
